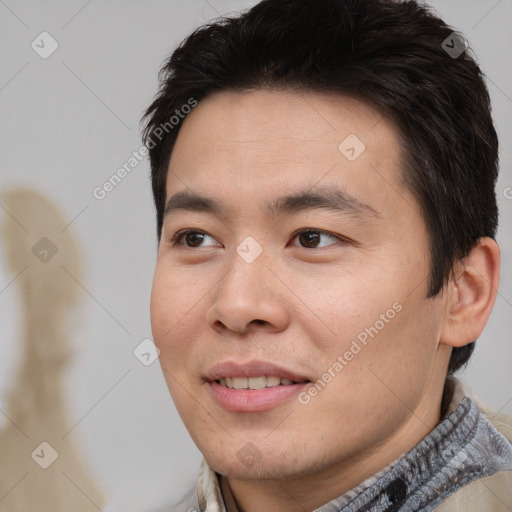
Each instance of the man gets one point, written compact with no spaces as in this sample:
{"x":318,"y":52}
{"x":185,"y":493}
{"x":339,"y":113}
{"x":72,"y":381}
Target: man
{"x":323,"y":174}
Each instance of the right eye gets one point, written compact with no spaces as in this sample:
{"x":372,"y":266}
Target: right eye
{"x":192,"y":238}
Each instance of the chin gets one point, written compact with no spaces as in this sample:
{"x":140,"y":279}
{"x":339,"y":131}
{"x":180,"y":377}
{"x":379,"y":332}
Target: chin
{"x":249,"y":463}
{"x":259,"y":471}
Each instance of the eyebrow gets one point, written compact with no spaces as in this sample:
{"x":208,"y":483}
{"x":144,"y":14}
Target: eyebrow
{"x":324,"y":198}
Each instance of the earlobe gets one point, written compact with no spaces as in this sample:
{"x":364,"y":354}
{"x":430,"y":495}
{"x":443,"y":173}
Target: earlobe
{"x":473,"y":293}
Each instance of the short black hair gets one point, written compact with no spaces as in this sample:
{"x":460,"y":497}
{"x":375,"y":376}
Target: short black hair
{"x":397,"y":56}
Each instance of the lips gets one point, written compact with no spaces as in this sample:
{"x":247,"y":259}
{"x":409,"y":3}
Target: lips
{"x":254,"y":369}
{"x":253,"y":387}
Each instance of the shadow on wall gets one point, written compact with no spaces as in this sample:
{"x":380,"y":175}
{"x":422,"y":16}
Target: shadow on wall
{"x":40,"y":464}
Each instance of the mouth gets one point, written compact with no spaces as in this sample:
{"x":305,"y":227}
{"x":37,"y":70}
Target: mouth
{"x":254,"y":383}
{"x":253,"y":386}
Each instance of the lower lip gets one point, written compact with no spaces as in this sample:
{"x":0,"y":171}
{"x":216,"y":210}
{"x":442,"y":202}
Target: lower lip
{"x":253,"y":400}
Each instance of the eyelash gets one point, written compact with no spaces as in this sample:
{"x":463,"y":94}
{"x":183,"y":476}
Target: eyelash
{"x":178,"y":237}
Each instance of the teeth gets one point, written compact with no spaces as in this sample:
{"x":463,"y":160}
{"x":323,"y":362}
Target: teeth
{"x":254,"y":382}
{"x":240,"y":382}
{"x":273,"y":381}
{"x":257,"y":382}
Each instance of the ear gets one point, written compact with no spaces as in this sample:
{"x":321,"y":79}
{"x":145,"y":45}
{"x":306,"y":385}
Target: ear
{"x":471,"y":294}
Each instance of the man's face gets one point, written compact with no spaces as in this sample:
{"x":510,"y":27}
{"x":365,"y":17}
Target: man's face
{"x":333,"y":299}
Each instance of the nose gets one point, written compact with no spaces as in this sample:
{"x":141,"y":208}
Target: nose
{"x":250,"y":297}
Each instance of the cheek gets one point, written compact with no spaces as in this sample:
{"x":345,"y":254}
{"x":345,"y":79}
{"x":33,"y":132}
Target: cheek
{"x":173,"y":298}
{"x":383,"y":378}
{"x":379,"y":319}
{"x":344,"y":303}
{"x":388,"y":362}
{"x":161,"y":312}
{"x":168,"y":312}
{"x":170,"y":302}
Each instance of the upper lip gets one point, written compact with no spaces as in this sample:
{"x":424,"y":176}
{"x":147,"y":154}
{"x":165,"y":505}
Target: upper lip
{"x":252,"y":369}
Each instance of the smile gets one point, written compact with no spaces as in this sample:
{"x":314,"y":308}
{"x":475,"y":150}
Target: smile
{"x":254,"y":382}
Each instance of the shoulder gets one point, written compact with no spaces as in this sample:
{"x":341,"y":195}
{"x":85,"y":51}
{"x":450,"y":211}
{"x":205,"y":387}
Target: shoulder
{"x":492,"y":494}
{"x":189,"y":503}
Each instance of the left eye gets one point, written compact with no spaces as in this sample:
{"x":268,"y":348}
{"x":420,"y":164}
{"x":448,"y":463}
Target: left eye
{"x":309,"y":239}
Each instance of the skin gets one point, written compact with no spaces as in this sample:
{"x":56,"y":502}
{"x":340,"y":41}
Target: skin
{"x":301,"y":306}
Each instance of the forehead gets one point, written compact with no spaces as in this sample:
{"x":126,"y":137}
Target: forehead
{"x":254,"y":144}
{"x":263,"y":120}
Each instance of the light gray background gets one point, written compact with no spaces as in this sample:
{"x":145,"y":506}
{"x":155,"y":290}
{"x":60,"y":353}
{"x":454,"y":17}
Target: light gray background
{"x":68,"y":123}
